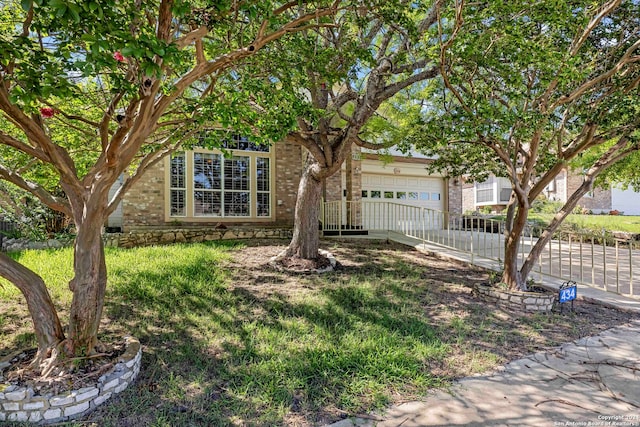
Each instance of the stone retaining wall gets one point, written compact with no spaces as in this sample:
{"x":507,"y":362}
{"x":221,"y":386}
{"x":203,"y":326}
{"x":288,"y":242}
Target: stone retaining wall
{"x":137,"y":238}
{"x":23,"y":404}
{"x":147,"y":237}
{"x":19,"y":244}
{"x":523,"y":301}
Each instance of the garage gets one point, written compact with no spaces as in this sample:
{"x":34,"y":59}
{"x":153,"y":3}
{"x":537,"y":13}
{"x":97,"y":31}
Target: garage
{"x":388,"y":188}
{"x":408,"y":190}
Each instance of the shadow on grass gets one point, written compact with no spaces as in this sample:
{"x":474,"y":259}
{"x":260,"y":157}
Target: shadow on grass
{"x":215,"y":354}
{"x":222,"y":349}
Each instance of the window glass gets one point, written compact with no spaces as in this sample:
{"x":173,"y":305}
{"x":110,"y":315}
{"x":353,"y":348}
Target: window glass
{"x":375,"y":194}
{"x":207,"y":203}
{"x":178,"y":203}
{"x":413,"y":195}
{"x":365,"y":194}
{"x":236,"y":173}
{"x":388,"y":194}
{"x":177,"y":185}
{"x":262,"y":174}
{"x":206,"y":171}
{"x":234,"y":142}
{"x":239,"y":142}
{"x":435,"y":196}
{"x":263,"y":196}
{"x":424,"y":196}
{"x":402,"y":195}
{"x":263,"y":204}
{"x":212,"y":184}
{"x":236,"y":203}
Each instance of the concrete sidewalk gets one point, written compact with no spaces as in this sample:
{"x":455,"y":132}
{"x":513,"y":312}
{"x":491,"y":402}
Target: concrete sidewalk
{"x":594,"y":381}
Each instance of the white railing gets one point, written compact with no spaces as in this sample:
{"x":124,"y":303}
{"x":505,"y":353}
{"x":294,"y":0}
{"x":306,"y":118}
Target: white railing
{"x":601,"y":261}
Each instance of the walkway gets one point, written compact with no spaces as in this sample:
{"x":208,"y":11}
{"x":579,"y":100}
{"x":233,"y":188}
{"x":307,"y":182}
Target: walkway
{"x":593,"y":381}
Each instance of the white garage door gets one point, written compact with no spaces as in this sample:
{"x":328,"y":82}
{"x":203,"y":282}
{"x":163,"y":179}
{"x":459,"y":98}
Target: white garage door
{"x":406,"y":190}
{"x":415,"y":191}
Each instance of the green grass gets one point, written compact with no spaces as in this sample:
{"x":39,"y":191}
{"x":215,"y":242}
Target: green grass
{"x":222,"y":347}
{"x":597,"y":222}
{"x":247,"y":358}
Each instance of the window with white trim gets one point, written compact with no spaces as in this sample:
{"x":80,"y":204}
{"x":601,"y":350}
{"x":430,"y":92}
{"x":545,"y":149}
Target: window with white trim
{"x":207,"y":183}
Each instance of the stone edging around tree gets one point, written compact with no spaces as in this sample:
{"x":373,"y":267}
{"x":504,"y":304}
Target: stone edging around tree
{"x":21,"y":403}
{"x":522,"y":301}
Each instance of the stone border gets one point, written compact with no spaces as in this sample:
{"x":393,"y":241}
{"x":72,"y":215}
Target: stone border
{"x":161,"y":236}
{"x":136,"y":238}
{"x":523,"y":301}
{"x":21,"y":403}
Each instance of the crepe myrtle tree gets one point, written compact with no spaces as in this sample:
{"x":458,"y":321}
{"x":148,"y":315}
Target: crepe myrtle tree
{"x":528,"y":90}
{"x":90,"y":90}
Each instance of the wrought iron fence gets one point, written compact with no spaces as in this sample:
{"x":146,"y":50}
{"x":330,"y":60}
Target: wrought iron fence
{"x":600,"y":260}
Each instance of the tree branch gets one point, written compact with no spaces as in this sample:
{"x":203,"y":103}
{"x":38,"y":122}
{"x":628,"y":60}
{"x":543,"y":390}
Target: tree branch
{"x":310,"y":145}
{"x":624,"y":60}
{"x":10,"y":141}
{"x":56,"y":203}
{"x":372,"y":145}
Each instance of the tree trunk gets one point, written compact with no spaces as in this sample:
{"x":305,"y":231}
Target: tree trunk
{"x":511,"y":275}
{"x":43,"y":313}
{"x":555,"y":223}
{"x":88,"y":284}
{"x":306,"y":239}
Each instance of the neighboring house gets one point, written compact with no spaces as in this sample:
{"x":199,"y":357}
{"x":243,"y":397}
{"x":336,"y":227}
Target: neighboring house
{"x":257,"y":185}
{"x":494,"y":193}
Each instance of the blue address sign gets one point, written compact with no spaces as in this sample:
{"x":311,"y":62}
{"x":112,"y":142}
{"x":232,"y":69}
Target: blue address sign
{"x":568,"y":293}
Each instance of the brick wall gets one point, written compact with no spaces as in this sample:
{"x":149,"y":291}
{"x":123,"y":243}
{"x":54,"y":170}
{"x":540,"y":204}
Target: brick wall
{"x":467,"y":197}
{"x":598,"y":200}
{"x":288,"y":169}
{"x":333,"y":184}
{"x":333,"y":187}
{"x":455,"y":195}
{"x":143,"y":205}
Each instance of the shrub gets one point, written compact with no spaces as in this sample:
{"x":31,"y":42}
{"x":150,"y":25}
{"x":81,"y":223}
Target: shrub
{"x":546,"y":206}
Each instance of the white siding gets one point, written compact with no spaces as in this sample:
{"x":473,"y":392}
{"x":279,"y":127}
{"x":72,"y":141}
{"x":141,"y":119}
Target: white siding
{"x":115,"y":219}
{"x":627,"y":201}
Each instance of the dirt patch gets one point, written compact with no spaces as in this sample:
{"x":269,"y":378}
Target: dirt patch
{"x":445,"y":291}
{"x":67,"y":374}
{"x":296,"y":264}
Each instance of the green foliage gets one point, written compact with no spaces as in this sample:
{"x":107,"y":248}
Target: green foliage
{"x":508,"y":58}
{"x":32,"y":218}
{"x":78,"y":58}
{"x":546,"y":206}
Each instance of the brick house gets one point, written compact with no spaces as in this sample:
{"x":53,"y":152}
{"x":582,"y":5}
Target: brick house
{"x":495,"y":192}
{"x":257,"y":186}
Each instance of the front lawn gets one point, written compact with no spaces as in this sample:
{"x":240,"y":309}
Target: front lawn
{"x":229,"y":341}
